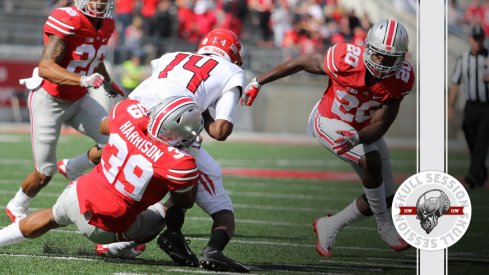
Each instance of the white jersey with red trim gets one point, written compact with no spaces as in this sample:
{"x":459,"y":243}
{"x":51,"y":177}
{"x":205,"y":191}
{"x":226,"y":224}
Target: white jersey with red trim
{"x":135,"y":172}
{"x":85,"y":47}
{"x":347,"y":96}
{"x":204,"y":78}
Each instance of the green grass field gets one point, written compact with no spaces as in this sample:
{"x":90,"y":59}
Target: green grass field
{"x":274,"y":215}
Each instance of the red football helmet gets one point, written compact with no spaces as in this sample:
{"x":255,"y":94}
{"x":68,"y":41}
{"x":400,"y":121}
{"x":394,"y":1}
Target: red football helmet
{"x":224,"y":43}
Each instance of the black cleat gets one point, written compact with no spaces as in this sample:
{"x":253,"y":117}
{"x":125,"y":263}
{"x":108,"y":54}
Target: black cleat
{"x":213,"y":259}
{"x":175,"y":245}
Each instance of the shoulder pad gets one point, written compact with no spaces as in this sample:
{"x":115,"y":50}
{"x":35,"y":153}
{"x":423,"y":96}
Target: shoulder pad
{"x":341,"y":58}
{"x":63,"y":22}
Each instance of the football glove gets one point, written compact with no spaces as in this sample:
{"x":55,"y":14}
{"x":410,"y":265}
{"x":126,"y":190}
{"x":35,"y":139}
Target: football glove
{"x":346,"y":141}
{"x":112,"y":89}
{"x":94,"y":80}
{"x":250,"y":93}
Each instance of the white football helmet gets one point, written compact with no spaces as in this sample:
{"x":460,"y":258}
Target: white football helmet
{"x":95,"y":8}
{"x":176,"y":121}
{"x":388,"y":38}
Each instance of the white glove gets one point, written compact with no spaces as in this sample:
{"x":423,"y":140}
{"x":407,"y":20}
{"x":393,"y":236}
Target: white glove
{"x":94,"y":80}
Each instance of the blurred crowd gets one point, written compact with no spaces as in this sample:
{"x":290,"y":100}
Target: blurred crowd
{"x":463,"y":15}
{"x":303,"y":26}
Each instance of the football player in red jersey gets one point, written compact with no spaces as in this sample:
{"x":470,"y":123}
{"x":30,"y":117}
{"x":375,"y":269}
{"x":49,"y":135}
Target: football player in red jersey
{"x":75,"y":42}
{"x":365,"y":88}
{"x":119,"y":199}
{"x":212,"y":76}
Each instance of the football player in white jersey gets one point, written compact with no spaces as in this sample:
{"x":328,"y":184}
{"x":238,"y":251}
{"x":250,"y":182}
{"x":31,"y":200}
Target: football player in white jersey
{"x":213,"y":78}
{"x":365,"y":88}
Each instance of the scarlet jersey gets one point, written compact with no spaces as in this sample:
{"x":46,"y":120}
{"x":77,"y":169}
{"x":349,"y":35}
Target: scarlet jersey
{"x":135,"y":172}
{"x":347,"y":96}
{"x":85,"y":47}
{"x":203,"y":78}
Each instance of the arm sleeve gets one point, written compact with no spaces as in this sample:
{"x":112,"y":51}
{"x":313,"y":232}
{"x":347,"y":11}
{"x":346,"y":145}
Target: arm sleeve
{"x":226,"y":105}
{"x":457,"y":72}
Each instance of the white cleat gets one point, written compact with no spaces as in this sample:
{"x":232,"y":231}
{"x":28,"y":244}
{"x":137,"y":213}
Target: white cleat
{"x":16,"y":213}
{"x":326,"y":235}
{"x":389,"y":235}
{"x":129,"y":253}
{"x":63,"y":170}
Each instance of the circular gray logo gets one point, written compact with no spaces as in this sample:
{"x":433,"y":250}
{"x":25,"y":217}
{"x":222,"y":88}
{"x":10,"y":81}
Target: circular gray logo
{"x":431,"y":210}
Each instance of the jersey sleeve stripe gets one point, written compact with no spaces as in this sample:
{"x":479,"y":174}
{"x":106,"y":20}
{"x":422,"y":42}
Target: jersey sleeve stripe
{"x":183,"y":179}
{"x":59,"y":29}
{"x":62,"y":24}
{"x":330,"y":61}
{"x":176,"y":171}
{"x":114,"y":109}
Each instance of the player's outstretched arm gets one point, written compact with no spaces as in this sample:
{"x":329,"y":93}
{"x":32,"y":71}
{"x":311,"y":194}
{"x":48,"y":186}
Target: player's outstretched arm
{"x":311,"y":63}
{"x":381,"y":122}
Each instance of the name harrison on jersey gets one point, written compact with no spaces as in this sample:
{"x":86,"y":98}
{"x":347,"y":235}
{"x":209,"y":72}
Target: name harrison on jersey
{"x":147,"y":147}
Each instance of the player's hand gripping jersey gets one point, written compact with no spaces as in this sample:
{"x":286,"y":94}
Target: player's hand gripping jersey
{"x":85,"y":47}
{"x":347,"y":97}
{"x":135,"y":172}
{"x":202,"y":77}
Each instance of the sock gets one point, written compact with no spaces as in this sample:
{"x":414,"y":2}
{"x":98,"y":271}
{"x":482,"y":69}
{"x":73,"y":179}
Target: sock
{"x":21,"y":199}
{"x":378,"y":205}
{"x":118,"y":247}
{"x":79,"y":164}
{"x":346,"y":216}
{"x":11,"y":235}
{"x":219,"y":239}
{"x":174,"y":219}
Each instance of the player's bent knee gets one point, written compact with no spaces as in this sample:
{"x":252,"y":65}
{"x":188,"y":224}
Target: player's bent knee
{"x":225,"y":217}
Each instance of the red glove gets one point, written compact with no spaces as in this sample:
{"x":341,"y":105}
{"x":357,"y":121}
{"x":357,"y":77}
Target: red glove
{"x":251,"y":91}
{"x":94,"y":80}
{"x":112,"y":89}
{"x":346,"y":141}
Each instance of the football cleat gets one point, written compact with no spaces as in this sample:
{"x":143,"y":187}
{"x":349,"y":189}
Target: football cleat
{"x":213,"y":259}
{"x":175,"y":245}
{"x":16,"y":213}
{"x":129,"y":253}
{"x":63,"y":170}
{"x":325,"y":235}
{"x":389,"y":235}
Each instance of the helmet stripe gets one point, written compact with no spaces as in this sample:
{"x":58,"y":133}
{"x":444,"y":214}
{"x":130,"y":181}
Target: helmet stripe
{"x":391,"y":33}
{"x":163,"y":113}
